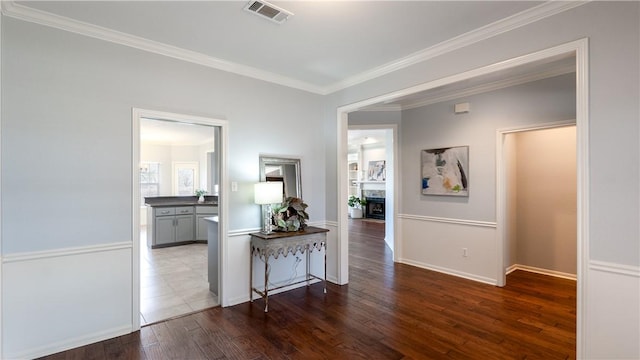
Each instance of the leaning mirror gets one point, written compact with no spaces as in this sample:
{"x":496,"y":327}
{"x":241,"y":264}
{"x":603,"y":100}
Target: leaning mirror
{"x":286,"y":170}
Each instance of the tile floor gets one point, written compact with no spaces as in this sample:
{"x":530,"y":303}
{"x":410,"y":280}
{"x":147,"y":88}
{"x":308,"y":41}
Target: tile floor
{"x":173,"y":281}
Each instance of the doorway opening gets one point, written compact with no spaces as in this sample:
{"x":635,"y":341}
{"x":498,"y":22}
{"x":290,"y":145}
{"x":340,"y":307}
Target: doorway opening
{"x":577,"y":54}
{"x":538,"y":170}
{"x":176,"y":269}
{"x":370,"y":162}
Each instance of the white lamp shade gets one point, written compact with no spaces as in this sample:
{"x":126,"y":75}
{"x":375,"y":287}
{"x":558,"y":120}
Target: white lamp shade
{"x":268,"y":192}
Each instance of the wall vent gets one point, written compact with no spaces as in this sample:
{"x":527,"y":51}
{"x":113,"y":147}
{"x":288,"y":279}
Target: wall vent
{"x":268,"y":11}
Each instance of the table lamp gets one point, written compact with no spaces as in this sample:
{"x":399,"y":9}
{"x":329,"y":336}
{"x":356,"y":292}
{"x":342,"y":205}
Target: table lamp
{"x":267,"y":193}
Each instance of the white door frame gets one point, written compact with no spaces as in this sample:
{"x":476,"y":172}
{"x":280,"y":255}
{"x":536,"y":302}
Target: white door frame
{"x":223,"y":202}
{"x":501,"y":189}
{"x":579,"y":48}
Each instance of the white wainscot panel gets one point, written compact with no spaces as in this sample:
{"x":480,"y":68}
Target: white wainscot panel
{"x":613,"y":312}
{"x":438,"y":243}
{"x":236,"y":286}
{"x":54,"y":302}
{"x":332,"y":251}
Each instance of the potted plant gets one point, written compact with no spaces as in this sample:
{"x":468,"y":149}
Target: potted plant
{"x":200,"y":194}
{"x":291,"y":215}
{"x":355,"y":206}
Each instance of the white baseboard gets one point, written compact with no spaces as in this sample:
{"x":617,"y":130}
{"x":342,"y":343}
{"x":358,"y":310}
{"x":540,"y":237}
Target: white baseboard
{"x":536,"y":270}
{"x":71,"y":343}
{"x":452,"y":272}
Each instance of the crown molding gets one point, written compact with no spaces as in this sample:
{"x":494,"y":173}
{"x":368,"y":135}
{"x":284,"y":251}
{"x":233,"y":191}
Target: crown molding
{"x":492,"y":86}
{"x":446,"y":95}
{"x":515,"y":21}
{"x":24,"y":13}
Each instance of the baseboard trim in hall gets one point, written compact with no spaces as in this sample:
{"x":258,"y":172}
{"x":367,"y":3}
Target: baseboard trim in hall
{"x":448,"y":271}
{"x":558,"y":274}
{"x":71,"y":343}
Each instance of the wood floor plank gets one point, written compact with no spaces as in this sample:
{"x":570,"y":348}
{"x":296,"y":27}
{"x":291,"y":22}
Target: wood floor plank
{"x":387,"y":311}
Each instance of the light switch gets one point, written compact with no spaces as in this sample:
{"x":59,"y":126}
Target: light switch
{"x":234,"y":186}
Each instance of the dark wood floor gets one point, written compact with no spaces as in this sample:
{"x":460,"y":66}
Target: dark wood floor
{"x":388,"y":311}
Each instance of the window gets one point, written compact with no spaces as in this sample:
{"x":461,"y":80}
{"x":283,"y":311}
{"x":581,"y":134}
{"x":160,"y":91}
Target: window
{"x":149,"y":180}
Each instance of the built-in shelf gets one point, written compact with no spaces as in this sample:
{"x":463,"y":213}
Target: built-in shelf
{"x":369,"y":182}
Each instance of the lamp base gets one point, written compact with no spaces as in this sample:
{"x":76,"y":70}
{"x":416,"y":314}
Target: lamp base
{"x":266,"y":220}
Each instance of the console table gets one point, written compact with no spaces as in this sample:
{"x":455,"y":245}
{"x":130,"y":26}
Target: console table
{"x":284,"y":243}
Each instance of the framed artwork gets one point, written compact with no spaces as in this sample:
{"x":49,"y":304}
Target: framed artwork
{"x":377,"y":171}
{"x":185,"y":178}
{"x":445,"y":171}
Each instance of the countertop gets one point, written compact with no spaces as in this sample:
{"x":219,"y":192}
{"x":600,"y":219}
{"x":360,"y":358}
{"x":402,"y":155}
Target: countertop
{"x":164,"y":201}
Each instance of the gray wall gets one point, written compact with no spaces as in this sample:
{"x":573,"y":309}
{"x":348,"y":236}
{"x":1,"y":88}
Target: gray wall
{"x":66,"y":133}
{"x":375,"y":118}
{"x":436,"y":126}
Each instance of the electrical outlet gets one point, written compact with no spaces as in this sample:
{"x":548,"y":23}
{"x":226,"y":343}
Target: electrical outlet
{"x":465,"y":253}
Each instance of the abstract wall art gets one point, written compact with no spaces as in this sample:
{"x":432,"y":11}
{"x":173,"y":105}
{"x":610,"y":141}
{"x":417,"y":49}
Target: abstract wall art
{"x":445,"y":171}
{"x":377,"y":171}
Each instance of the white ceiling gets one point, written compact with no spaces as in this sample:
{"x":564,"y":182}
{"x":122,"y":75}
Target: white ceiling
{"x":365,"y":137}
{"x":325,"y":46}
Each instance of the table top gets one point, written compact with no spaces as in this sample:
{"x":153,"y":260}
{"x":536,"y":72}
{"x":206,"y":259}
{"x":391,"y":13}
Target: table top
{"x":309,"y":230}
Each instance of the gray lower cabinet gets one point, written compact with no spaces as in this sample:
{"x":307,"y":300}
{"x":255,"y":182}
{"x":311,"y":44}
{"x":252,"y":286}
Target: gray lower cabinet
{"x":203,"y":212}
{"x":170,"y":225}
{"x":179,"y":224}
{"x":165,"y":232}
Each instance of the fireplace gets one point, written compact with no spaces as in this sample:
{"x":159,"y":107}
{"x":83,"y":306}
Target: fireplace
{"x":374,"y":208}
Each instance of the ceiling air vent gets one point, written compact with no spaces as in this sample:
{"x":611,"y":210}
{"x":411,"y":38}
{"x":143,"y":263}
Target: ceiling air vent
{"x":268,"y":11}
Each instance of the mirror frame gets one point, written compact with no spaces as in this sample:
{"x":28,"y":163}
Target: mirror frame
{"x":277,"y":160}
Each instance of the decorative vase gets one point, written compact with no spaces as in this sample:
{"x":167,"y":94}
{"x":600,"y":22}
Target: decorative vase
{"x":201,"y":198}
{"x":356,"y":213}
